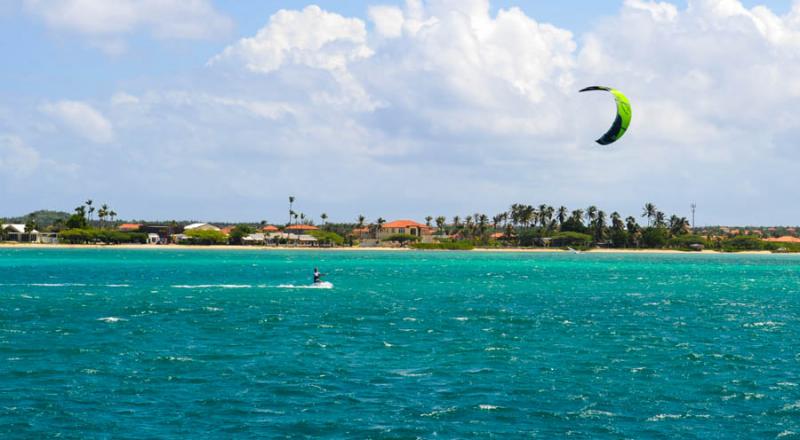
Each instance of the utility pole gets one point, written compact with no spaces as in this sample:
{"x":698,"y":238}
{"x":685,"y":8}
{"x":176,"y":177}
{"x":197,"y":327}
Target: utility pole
{"x":694,"y":207}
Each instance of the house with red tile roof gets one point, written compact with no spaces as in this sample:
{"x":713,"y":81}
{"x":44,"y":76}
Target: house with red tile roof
{"x":129,"y":227}
{"x":301,"y":228}
{"x":406,"y":227}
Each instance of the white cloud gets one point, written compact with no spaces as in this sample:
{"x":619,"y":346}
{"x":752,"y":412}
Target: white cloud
{"x":311,"y":37}
{"x":388,"y":20}
{"x":17,"y":158}
{"x":182,"y":19}
{"x":82,"y":119}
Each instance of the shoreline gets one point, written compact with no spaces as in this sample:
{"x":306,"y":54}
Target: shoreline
{"x":178,"y":247}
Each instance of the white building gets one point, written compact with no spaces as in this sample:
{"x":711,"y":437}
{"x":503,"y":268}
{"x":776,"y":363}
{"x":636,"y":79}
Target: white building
{"x":200,"y":227}
{"x":16,"y":232}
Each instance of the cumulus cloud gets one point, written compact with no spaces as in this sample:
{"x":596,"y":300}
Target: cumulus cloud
{"x":17,"y":158}
{"x":82,"y":119}
{"x":181,"y":19}
{"x":311,"y":37}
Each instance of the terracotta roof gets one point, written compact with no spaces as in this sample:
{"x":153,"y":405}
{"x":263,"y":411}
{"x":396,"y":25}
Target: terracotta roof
{"x":498,"y":235}
{"x":301,"y":228}
{"x":129,"y":226}
{"x":784,"y":239}
{"x":360,"y":230}
{"x":227,"y":230}
{"x":269,"y":228}
{"x":403,"y":224}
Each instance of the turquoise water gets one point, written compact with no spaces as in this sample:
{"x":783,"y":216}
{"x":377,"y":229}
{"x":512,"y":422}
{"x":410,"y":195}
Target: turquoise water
{"x":215,"y":344}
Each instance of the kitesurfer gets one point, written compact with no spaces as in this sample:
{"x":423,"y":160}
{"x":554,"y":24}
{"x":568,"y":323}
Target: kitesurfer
{"x":317,"y":276}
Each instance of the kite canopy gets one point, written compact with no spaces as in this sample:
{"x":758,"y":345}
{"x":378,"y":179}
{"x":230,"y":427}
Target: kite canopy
{"x":623,"y":119}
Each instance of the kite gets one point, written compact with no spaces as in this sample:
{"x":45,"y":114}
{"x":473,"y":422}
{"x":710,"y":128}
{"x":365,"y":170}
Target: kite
{"x":623,"y":119}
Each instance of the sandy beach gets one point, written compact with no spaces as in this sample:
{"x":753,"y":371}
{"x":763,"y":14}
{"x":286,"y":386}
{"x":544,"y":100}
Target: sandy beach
{"x":180,"y":247}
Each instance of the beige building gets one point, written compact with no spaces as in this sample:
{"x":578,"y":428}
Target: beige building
{"x":368,"y":237}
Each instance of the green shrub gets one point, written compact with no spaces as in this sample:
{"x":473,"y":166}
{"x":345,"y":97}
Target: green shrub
{"x":401,"y":238}
{"x":686,"y":241}
{"x":205,"y":237}
{"x":75,"y":236}
{"x":782,"y":247}
{"x":327,"y":237}
{"x":655,"y":237}
{"x":239,"y":232}
{"x":743,"y":243}
{"x":82,"y":236}
{"x":447,"y":245}
{"x":619,"y":238}
{"x":578,"y":239}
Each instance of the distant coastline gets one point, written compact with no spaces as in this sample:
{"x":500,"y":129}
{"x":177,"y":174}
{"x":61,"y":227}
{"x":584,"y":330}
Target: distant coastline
{"x":178,"y":247}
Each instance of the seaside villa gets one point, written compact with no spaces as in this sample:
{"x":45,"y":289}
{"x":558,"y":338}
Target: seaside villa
{"x":16,"y":232}
{"x":369,"y":237}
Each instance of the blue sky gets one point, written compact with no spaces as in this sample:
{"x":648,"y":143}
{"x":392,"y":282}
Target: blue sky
{"x":222,"y":108}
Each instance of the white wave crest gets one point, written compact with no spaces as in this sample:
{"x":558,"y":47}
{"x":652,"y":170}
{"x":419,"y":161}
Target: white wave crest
{"x":111,"y":319}
{"x":322,"y":285}
{"x":660,"y":417}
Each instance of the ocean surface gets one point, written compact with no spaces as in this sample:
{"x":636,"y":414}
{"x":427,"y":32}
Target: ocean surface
{"x":175,"y":344}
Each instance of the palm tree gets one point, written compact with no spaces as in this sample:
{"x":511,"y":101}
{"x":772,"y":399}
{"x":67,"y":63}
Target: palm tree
{"x":616,"y":222}
{"x":542,"y":210}
{"x":678,"y":225}
{"x":361,"y":219}
{"x":577,"y":216}
{"x":527,"y":215}
{"x":380,"y":221}
{"x":102,"y":213}
{"x":302,"y":218}
{"x":440,"y":223}
{"x":30,"y":226}
{"x":291,"y":213}
{"x":591,"y":214}
{"x":428,"y":220}
{"x":515,"y":213}
{"x":113,"y":216}
{"x":496,"y":221}
{"x":599,"y":225}
{"x":324,"y":218}
{"x":660,"y":220}
{"x":631,"y":225}
{"x":483,"y":220}
{"x":561,"y":214}
{"x":456,"y":221}
{"x":649,"y":211}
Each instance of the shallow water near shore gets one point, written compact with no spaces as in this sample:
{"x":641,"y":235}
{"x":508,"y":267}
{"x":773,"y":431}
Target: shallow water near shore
{"x":223,"y":344}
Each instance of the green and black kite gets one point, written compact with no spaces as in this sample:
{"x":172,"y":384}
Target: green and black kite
{"x":623,"y":119}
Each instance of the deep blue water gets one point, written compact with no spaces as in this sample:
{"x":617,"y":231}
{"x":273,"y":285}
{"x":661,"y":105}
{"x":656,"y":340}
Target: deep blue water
{"x":214,"y":344}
